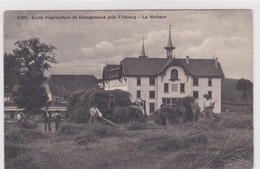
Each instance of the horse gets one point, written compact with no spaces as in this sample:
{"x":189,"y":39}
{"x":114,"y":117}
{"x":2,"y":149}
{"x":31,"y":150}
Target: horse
{"x":126,"y":114}
{"x":171,"y":114}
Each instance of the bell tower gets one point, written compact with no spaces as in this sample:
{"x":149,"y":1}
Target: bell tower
{"x":143,"y":51}
{"x":169,"y":48}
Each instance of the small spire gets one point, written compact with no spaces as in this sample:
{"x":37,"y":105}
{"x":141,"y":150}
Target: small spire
{"x":169,"y":46}
{"x":143,"y":51}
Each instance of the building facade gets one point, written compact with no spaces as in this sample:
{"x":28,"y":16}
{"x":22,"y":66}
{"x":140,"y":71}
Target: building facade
{"x":165,"y":80}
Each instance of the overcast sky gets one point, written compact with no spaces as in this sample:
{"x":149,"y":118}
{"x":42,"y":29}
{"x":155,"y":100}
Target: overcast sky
{"x":85,"y":46}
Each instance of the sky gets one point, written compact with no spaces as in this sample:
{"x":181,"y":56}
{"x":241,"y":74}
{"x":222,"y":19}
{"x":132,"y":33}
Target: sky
{"x":85,"y":46}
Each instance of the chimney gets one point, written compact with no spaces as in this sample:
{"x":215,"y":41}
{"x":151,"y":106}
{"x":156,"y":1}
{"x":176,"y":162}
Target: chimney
{"x":187,"y":60}
{"x":216,"y":62}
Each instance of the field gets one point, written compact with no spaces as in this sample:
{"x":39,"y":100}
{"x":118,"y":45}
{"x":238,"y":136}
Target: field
{"x":225,"y":143}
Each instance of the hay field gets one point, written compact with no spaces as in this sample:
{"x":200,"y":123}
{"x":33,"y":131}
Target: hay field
{"x":226,"y":143}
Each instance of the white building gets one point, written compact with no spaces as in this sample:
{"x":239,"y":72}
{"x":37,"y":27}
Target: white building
{"x":165,"y":80}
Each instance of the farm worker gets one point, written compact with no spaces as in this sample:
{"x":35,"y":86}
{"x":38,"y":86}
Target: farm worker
{"x":139,"y":106}
{"x":195,"y":110}
{"x":94,"y":112}
{"x":47,"y":118}
{"x":57,"y":120}
{"x":208,"y":107}
{"x":20,"y":115}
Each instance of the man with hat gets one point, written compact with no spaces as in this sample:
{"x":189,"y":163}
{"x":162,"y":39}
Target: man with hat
{"x":208,"y":107}
{"x":47,"y":119}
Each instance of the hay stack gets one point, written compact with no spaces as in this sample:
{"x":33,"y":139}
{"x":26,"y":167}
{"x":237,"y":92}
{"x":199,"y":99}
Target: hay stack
{"x":81,"y":101}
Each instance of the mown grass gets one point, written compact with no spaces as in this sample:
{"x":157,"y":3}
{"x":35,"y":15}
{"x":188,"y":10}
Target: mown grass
{"x":224,"y":144}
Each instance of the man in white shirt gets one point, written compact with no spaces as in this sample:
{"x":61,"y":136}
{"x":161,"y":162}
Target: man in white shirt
{"x":208,"y":107}
{"x":94,"y":112}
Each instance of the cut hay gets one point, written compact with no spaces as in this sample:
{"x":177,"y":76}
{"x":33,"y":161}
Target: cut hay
{"x":169,"y":144}
{"x":140,"y":126}
{"x":236,"y":148}
{"x":70,"y":129}
{"x":23,"y":135}
{"x":80,"y":102}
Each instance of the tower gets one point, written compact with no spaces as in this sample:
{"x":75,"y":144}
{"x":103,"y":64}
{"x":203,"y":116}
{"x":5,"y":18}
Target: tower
{"x":169,"y":46}
{"x":143,"y":51}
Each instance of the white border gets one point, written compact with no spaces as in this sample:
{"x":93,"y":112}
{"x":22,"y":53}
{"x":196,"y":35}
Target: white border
{"x":130,"y":5}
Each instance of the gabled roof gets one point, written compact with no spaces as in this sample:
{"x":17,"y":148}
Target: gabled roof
{"x":156,"y":66}
{"x":64,"y":85}
{"x":142,"y":66}
{"x":107,"y":69}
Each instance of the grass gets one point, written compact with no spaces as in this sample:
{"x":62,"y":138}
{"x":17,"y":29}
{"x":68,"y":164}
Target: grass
{"x":227,"y":143}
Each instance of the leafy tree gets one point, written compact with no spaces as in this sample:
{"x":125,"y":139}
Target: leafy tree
{"x":11,"y":72}
{"x":244,"y":86}
{"x":34,"y":59}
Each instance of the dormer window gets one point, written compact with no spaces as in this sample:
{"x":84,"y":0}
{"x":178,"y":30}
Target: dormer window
{"x":174,"y":74}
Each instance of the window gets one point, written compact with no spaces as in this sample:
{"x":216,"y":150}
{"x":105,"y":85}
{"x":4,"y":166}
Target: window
{"x":210,"y":94}
{"x":152,"y":81}
{"x":138,"y":94}
{"x":12,"y":115}
{"x":210,"y":82}
{"x":152,"y":107}
{"x":174,"y":87}
{"x":195,"y":82}
{"x":138,"y":81}
{"x":152,"y":94}
{"x":182,"y":88}
{"x":196,"y":94}
{"x":170,"y":102}
{"x":166,"y":87}
{"x":174,"y":74}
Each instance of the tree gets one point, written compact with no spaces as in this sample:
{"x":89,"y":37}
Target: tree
{"x":11,"y":72}
{"x":244,"y":86}
{"x":33,"y":58}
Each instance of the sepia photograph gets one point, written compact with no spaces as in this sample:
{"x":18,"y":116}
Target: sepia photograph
{"x":128,"y":89}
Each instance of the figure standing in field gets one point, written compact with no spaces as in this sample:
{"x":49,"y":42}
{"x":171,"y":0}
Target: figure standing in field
{"x":195,"y":110}
{"x":57,"y":119}
{"x":208,"y":107}
{"x":20,"y":116}
{"x":47,"y":119}
{"x":94,"y":112}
